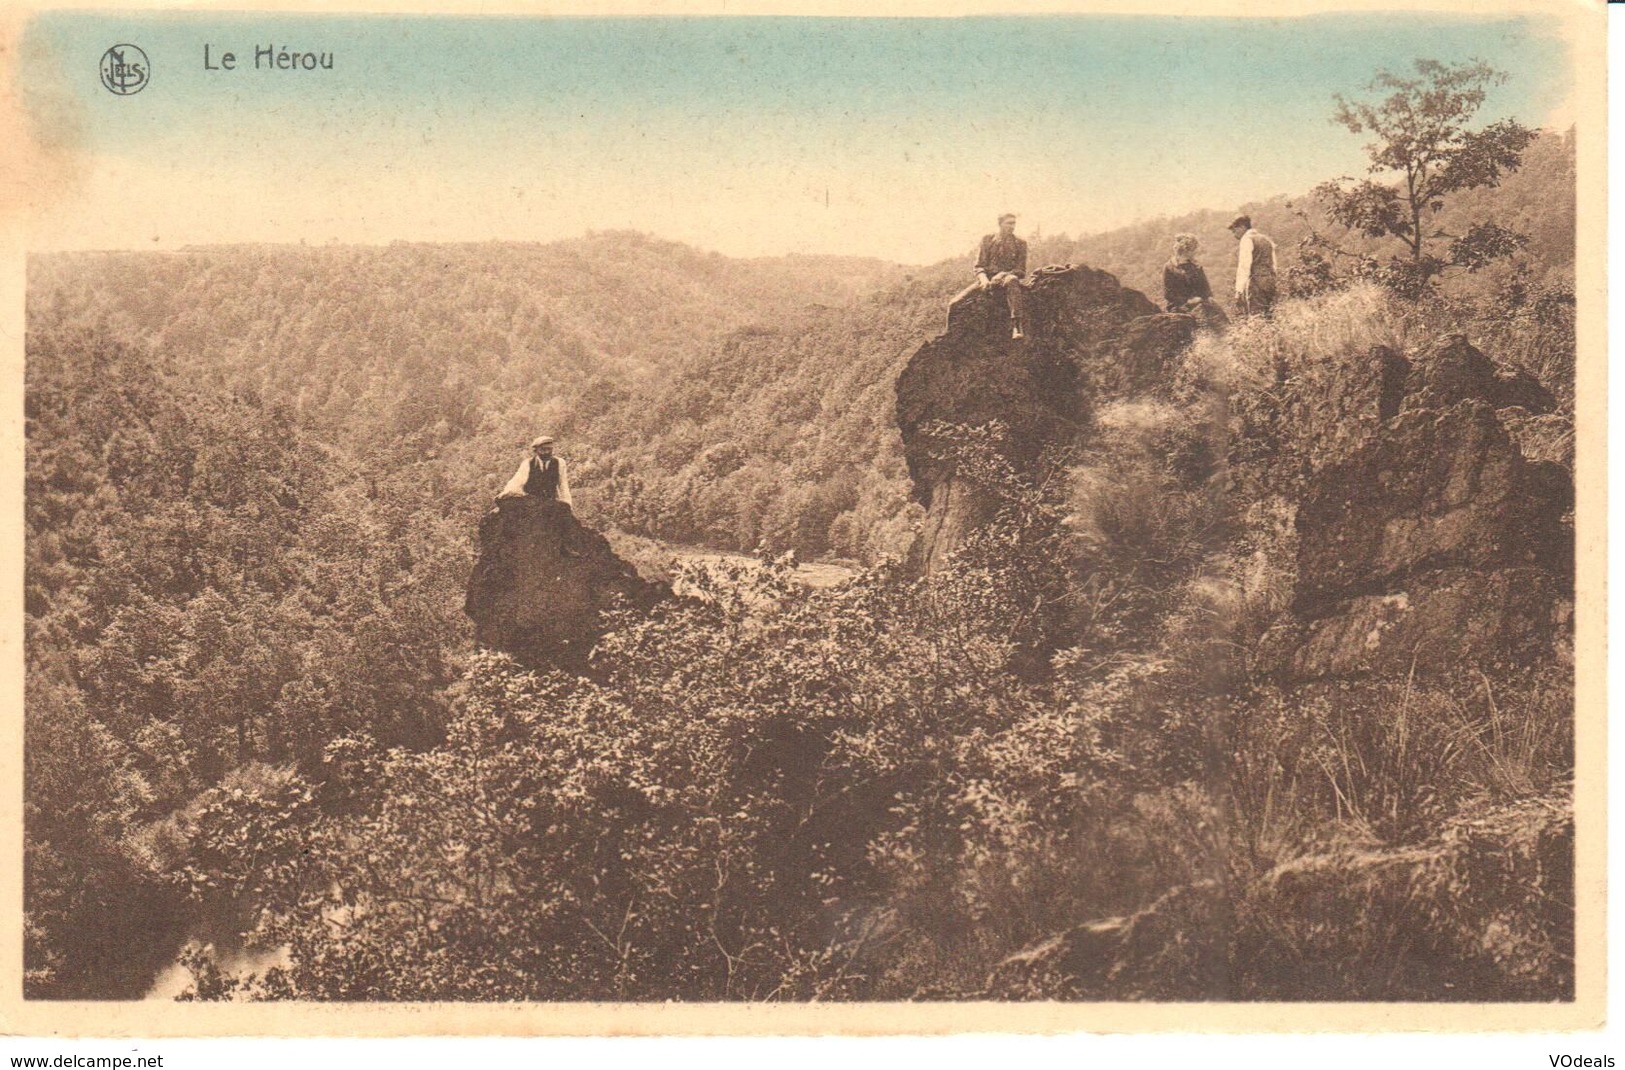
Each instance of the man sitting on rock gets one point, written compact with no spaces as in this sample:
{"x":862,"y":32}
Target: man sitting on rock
{"x":541,"y":475}
{"x":1001,"y":263}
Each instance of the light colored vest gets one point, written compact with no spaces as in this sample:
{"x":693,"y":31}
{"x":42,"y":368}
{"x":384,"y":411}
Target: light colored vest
{"x":1255,"y":262}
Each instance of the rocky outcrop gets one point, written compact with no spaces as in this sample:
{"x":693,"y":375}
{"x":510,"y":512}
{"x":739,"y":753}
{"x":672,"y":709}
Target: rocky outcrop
{"x":1431,"y":540}
{"x":1452,"y":371}
{"x":542,"y":582}
{"x":1482,"y":911}
{"x":1136,"y":359}
{"x":1090,"y":339}
{"x":1540,"y":436}
{"x":1454,"y":618}
{"x":1440,"y":488}
{"x":1345,"y":411}
{"x":1405,"y":519}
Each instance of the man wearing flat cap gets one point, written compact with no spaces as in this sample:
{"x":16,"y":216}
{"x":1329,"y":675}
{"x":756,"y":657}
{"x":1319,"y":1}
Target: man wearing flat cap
{"x":1001,"y":263}
{"x":1255,"y":268}
{"x":540,"y":475}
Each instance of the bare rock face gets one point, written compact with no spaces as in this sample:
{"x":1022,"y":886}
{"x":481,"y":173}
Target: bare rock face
{"x":1433,"y":541}
{"x":1090,"y":338}
{"x":542,"y":582}
{"x":1439,"y":488}
{"x":1138,"y":358}
{"x":1452,"y":370}
{"x":1349,"y":410}
{"x":1494,"y":620}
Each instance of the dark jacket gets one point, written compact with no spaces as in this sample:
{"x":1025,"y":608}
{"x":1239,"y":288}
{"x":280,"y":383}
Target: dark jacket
{"x":999,"y":253}
{"x":1183,"y":280}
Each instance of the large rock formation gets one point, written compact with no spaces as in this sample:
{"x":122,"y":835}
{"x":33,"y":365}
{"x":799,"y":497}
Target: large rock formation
{"x":1090,"y":339}
{"x":1452,"y":371}
{"x":1432,"y":542}
{"x":542,"y":582}
{"x":1440,"y":488}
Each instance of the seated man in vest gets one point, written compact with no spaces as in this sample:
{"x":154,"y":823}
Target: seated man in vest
{"x":1001,"y":263}
{"x":541,"y":475}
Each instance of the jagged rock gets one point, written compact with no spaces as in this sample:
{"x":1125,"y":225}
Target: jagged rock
{"x":542,"y":582}
{"x":1076,"y":305}
{"x":1449,"y":371}
{"x":1346,"y":411}
{"x":1441,"y":621}
{"x":1452,"y":370}
{"x":1139,"y":358}
{"x":975,"y":374}
{"x":1437,"y":489}
{"x":957,"y":506}
{"x":1484,"y":911}
{"x":1434,"y":538}
{"x":1547,"y":437}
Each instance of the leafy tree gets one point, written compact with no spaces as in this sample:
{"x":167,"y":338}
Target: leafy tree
{"x":1423,"y":152}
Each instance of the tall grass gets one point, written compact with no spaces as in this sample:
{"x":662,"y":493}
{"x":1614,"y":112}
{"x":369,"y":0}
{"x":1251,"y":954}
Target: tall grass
{"x":1385,"y":762}
{"x":1309,"y":341}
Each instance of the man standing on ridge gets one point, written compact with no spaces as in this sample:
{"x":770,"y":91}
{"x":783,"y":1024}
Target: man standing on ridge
{"x":540,"y":475}
{"x":1001,"y":263}
{"x":1255,"y":268}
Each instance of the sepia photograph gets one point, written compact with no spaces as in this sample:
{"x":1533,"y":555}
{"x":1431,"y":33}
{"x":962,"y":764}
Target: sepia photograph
{"x":1022,"y":519}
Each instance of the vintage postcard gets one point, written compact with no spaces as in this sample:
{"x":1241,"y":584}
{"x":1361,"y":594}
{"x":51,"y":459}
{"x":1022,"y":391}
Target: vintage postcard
{"x":766,"y":520}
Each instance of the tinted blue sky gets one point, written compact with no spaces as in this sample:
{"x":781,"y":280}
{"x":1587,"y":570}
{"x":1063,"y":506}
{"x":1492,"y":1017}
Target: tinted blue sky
{"x":892,"y":137}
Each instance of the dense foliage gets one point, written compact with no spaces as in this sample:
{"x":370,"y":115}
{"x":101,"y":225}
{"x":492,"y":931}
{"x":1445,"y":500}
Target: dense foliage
{"x":205,"y":589}
{"x":1424,"y":141}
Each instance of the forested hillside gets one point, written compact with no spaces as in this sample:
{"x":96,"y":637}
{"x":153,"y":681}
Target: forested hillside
{"x":403,"y":351}
{"x":737,"y":404}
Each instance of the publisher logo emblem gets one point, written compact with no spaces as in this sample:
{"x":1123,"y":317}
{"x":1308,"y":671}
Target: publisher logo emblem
{"x":125,"y":70}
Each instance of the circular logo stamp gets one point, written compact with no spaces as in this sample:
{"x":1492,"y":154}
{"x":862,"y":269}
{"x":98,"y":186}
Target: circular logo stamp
{"x":125,"y":70}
